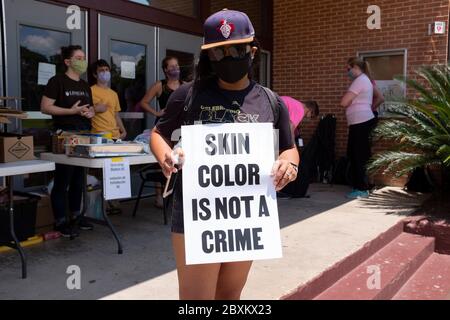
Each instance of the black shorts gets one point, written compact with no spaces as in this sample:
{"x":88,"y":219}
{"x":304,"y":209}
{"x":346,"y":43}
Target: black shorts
{"x":175,"y":207}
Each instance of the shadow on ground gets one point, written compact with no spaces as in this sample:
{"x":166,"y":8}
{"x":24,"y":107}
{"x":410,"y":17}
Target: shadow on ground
{"x":147,"y":251}
{"x":147,"y":254}
{"x":394,"y":201}
{"x":321,"y":198}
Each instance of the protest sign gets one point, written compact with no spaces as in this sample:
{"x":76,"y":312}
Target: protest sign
{"x":229,"y":199}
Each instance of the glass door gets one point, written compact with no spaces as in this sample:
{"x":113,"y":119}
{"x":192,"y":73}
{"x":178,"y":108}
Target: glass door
{"x":130,"y":50}
{"x":183,"y":46}
{"x":33,"y":43}
{"x":35,"y":31}
{"x":1,"y":54}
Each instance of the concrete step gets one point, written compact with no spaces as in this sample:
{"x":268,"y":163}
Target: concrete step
{"x":430,"y":282}
{"x":393,"y":265}
{"x":327,"y":278}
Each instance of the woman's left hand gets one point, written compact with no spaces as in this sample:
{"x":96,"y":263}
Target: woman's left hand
{"x":89,"y":113}
{"x":284,"y":173}
{"x":123,"y":133}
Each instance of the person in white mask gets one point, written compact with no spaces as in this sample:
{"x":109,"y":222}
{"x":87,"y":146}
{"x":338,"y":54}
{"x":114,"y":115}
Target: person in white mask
{"x":106,"y":102}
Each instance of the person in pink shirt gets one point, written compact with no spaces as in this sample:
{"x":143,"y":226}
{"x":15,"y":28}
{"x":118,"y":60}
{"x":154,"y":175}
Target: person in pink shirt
{"x":358,"y":102}
{"x":299,"y":110}
{"x":378,"y":98}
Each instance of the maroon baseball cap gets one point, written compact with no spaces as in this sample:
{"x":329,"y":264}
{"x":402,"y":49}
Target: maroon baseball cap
{"x":227,"y":27}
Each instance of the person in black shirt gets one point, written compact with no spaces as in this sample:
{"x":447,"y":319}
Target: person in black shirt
{"x":222,"y":92}
{"x":162,"y":90}
{"x":68,"y":99}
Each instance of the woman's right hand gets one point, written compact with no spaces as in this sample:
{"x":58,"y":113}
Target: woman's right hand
{"x":88,"y":113}
{"x":77,"y":109}
{"x":159,"y":114}
{"x":171,"y":159}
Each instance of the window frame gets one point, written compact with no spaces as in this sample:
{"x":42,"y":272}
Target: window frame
{"x":195,"y":4}
{"x":268,"y":66}
{"x":389,"y":52}
{"x":45,"y":28}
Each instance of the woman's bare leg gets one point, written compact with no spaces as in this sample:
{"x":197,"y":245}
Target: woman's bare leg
{"x":232,"y":279}
{"x":197,"y":282}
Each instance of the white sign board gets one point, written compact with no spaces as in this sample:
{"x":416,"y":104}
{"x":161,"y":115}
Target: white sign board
{"x":439,"y":27}
{"x":128,"y":70}
{"x":392,"y":90}
{"x":116,"y":179}
{"x":229,"y":200}
{"x":46,"y":71}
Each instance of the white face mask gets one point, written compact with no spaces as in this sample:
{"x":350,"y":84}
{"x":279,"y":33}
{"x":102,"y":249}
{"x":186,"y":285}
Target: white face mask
{"x":104,"y":76}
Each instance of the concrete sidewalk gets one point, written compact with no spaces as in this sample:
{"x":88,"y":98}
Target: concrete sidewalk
{"x":316,"y":232}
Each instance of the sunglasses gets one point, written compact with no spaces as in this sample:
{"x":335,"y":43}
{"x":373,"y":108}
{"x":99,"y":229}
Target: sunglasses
{"x":237,"y":51}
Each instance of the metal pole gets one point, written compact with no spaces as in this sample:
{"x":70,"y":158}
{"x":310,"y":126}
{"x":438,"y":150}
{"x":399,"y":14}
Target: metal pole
{"x":10,"y":184}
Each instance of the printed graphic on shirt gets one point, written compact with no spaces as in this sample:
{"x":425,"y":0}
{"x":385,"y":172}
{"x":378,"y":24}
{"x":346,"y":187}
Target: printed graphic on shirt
{"x":221,"y":114}
{"x":72,"y":93}
{"x":213,"y":105}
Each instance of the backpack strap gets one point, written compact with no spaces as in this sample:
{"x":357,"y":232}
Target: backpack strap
{"x":188,"y":102}
{"x":189,"y":99}
{"x":273,"y":103}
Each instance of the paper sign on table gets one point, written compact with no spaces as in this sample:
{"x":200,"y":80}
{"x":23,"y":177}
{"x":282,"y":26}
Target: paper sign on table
{"x":116,"y":179}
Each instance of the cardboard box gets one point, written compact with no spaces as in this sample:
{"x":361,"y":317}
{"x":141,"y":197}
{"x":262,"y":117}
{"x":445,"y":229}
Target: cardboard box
{"x":72,"y":140}
{"x":24,"y":218}
{"x":44,"y":214}
{"x":16,"y":148}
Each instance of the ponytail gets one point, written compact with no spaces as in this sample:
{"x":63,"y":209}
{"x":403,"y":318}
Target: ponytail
{"x":362,"y":64}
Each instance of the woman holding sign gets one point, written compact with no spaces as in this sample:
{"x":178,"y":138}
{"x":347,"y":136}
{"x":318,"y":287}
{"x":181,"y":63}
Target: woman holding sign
{"x":222,"y":92}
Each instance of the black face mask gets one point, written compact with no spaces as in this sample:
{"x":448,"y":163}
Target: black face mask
{"x":232,"y":70}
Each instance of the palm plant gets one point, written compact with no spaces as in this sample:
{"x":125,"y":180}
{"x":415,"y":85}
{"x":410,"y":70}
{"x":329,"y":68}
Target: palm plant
{"x":422,"y":133}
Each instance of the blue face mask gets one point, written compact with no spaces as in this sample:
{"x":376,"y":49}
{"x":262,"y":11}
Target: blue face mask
{"x":104,"y":76}
{"x":350,"y":75}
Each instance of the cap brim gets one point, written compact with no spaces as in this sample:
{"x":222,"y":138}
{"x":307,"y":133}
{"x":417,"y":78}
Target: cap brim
{"x":223,"y":43}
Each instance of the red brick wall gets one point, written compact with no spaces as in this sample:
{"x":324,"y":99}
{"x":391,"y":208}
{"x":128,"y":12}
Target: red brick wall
{"x":183,"y":7}
{"x":314,"y":39}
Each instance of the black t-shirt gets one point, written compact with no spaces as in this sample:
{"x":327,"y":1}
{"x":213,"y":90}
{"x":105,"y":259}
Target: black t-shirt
{"x":66,"y":92}
{"x":216,"y":105}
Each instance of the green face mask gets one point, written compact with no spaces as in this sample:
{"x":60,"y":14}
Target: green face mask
{"x":79,"y":66}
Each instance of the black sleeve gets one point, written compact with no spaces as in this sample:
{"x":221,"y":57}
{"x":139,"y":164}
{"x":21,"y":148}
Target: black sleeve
{"x":52,"y":89}
{"x":173,"y":114}
{"x":286,"y":137}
